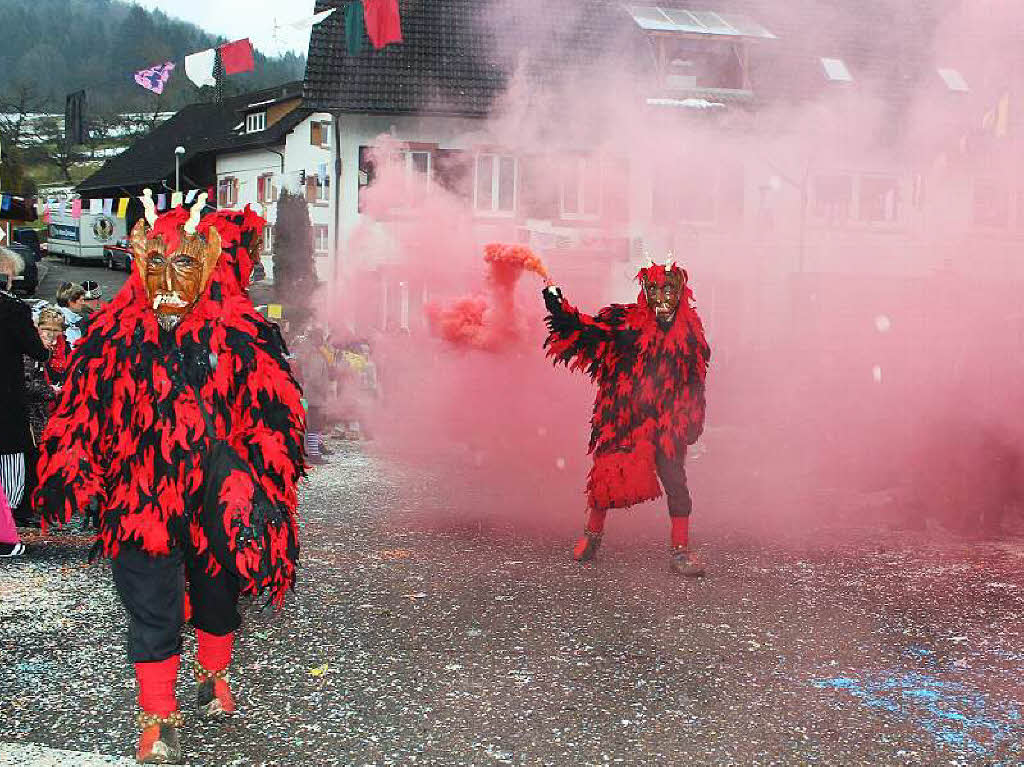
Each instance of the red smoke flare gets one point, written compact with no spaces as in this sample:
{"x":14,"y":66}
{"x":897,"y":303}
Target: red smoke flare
{"x":489,"y":320}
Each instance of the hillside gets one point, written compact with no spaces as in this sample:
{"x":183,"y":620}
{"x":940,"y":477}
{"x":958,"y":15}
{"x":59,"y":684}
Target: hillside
{"x":59,"y":46}
{"x":49,"y":48}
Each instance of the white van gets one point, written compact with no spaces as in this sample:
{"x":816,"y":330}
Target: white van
{"x":83,"y":238}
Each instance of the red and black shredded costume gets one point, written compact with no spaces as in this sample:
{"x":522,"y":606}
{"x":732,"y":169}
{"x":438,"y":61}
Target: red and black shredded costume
{"x":130,"y":439}
{"x":650,"y":401}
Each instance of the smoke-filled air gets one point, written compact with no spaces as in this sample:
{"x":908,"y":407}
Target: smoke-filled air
{"x":845,"y":242}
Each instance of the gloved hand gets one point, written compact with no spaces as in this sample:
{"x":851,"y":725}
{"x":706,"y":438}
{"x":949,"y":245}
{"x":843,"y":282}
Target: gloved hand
{"x":552,"y":298}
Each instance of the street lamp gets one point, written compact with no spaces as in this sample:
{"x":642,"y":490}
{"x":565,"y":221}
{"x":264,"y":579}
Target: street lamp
{"x":178,"y":152}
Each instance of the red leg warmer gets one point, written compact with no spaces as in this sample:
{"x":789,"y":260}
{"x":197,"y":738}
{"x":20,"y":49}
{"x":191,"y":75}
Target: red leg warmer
{"x":156,"y":685}
{"x":595,"y":520}
{"x":214,"y":652}
{"x":680,"y":532}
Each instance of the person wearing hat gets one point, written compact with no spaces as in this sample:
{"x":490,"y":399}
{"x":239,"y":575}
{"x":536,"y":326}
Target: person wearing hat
{"x":92,"y":296}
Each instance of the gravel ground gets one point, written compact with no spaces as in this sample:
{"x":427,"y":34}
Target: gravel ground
{"x":408,"y":643}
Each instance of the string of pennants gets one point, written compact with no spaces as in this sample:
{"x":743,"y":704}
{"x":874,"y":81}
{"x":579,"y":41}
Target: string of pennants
{"x":109,"y":206}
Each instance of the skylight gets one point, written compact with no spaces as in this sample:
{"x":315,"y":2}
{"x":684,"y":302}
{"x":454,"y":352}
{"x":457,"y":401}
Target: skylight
{"x":954,"y":80}
{"x":835,"y":70}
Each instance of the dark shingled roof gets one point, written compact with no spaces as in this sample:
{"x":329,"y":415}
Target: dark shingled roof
{"x":455,"y":61}
{"x":201,"y":129}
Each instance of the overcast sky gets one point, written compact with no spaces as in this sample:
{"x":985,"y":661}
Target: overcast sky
{"x":235,"y":19}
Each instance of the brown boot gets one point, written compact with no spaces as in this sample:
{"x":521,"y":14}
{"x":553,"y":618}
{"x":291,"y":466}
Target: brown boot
{"x":587,"y":546}
{"x":158,"y":742}
{"x":684,"y":562}
{"x":213,"y":695}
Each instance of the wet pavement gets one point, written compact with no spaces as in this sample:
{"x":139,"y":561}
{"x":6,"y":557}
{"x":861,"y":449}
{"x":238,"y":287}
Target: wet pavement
{"x":414,"y":641}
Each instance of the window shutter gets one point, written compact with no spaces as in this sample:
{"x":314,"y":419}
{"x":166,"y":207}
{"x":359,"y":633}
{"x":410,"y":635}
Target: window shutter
{"x":316,"y":133}
{"x":539,"y":187}
{"x":222,"y":198}
{"x":310,"y":188}
{"x":261,"y":189}
{"x":234,"y":191}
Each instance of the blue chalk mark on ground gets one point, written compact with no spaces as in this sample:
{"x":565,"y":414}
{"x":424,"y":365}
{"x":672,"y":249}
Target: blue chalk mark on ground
{"x":953,"y":713}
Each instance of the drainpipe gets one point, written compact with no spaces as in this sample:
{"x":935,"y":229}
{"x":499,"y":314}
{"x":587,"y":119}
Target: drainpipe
{"x":279,"y":154}
{"x":336,"y":145}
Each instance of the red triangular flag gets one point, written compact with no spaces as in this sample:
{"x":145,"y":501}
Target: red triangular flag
{"x":237,"y":57}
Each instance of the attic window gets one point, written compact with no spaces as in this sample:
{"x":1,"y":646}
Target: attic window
{"x":255,"y":122}
{"x":836,"y":71}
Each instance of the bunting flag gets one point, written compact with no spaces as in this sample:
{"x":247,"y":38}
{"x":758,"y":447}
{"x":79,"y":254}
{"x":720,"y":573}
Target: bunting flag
{"x":199,"y":67}
{"x":161,"y":201}
{"x":355,"y":28}
{"x":155,"y":78}
{"x":108,"y":206}
{"x":176,"y":200}
{"x":190,"y":195}
{"x":308,"y":22}
{"x":122,"y":207}
{"x":5,"y":202}
{"x":76,"y":208}
{"x":95,"y":206}
{"x":383,"y":24}
{"x":2,"y":235}
{"x":237,"y":57}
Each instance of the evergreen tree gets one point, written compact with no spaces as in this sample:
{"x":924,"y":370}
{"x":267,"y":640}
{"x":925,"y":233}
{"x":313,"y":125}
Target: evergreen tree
{"x":294,"y":270}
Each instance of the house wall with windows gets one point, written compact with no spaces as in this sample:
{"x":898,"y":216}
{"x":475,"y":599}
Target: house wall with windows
{"x":302,"y":165}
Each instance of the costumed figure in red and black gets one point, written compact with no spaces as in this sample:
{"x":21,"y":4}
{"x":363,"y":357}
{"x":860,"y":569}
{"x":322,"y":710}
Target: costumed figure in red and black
{"x":649,"y":360}
{"x":180,"y":427}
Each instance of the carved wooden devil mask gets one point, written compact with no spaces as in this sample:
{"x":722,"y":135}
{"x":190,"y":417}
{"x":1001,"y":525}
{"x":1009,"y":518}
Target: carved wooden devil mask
{"x":174,"y":261}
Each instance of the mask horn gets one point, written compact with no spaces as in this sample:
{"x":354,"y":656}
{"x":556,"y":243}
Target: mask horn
{"x":149,"y":206}
{"x":196,"y":212}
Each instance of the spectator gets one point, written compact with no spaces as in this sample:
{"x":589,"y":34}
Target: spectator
{"x":71,"y":300}
{"x":92,"y":298}
{"x":40,"y":397}
{"x":51,"y":324}
{"x":18,"y":337}
{"x":315,"y":378}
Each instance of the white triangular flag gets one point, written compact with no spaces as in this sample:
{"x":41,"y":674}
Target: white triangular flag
{"x":2,"y":235}
{"x":199,"y":67}
{"x":190,"y":195}
{"x":311,"y":21}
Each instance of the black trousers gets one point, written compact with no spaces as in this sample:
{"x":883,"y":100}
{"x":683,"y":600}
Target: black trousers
{"x":672,"y":473}
{"x":152,"y":589}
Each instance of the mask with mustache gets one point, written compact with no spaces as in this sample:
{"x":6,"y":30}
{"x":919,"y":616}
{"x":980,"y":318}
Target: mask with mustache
{"x":663,"y":290}
{"x":174,"y":261}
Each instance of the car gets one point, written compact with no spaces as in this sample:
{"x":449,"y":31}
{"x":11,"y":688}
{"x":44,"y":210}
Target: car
{"x":29,"y":237}
{"x":118,"y":255}
{"x":28,"y":281}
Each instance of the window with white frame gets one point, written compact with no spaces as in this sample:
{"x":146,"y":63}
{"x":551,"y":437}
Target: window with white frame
{"x":495,"y":188}
{"x":323,"y":189}
{"x":879,"y":199}
{"x":581,"y":187}
{"x":320,"y":240}
{"x":320,"y":134}
{"x":255,"y":122}
{"x":417,"y":165}
{"x":227,"y":192}
{"x":266,"y":188}
{"x":268,"y":239}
